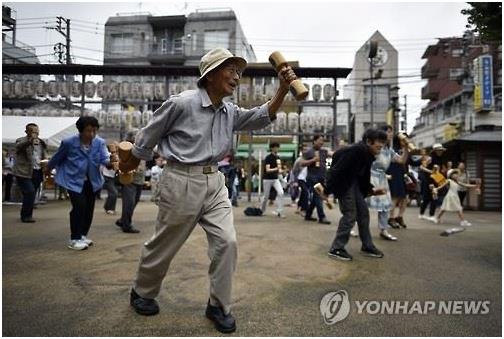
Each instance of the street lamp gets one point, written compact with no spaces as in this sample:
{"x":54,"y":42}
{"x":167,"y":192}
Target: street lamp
{"x":373,"y":48}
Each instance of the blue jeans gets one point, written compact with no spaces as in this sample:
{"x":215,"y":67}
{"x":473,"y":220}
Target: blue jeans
{"x":28,"y":187}
{"x":314,"y":200}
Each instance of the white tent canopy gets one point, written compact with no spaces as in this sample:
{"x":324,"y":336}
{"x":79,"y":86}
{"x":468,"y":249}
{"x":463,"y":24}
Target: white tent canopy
{"x":52,"y":129}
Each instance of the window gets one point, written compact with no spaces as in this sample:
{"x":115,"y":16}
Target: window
{"x":380,"y":98}
{"x":457,"y":52}
{"x":194,"y":41}
{"x":122,"y":43}
{"x":164,"y":46}
{"x":214,"y":39}
{"x":456,"y":73}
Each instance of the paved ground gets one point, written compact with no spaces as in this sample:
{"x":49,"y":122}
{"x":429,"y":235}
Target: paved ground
{"x":282,"y":275}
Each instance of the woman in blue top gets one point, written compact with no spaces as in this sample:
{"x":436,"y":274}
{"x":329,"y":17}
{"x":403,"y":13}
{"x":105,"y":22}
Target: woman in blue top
{"x":77,"y":164}
{"x":383,"y":203}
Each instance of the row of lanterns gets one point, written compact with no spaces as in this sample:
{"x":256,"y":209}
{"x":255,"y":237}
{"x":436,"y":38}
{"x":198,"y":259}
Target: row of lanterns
{"x":304,"y":122}
{"x":112,"y":90}
{"x":105,"y":90}
{"x":114,"y":119}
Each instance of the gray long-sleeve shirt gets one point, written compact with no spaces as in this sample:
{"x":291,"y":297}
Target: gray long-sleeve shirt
{"x":188,"y":129}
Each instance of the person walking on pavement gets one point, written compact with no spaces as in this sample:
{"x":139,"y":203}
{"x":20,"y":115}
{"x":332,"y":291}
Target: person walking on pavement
{"x":383,"y":203}
{"x":315,"y":161}
{"x":349,"y":180}
{"x":30,"y":151}
{"x":131,"y":193}
{"x":193,"y":131}
{"x":77,"y":164}
{"x":109,"y":176}
{"x":272,"y":171}
{"x":155,"y":173}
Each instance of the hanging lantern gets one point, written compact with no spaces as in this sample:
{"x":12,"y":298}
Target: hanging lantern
{"x":148,"y":90}
{"x":89,"y":89}
{"x":30,"y":112}
{"x":293,"y":122}
{"x":328,"y":92}
{"x":113,"y":90}
{"x":329,"y":122}
{"x":64,"y":88}
{"x":6,"y":89}
{"x":41,"y":88}
{"x":17,"y":112}
{"x":269,"y":91}
{"x":125,"y":90}
{"x":102,"y":117}
{"x":316,"y":92}
{"x":147,"y":117}
{"x":76,"y":89}
{"x":136,"y":121}
{"x":102,"y":89}
{"x":136,"y":90}
{"x":258,"y":92}
{"x":18,"y":89}
{"x":305,"y":122}
{"x":280,"y":124}
{"x":160,"y":90}
{"x":318,"y":121}
{"x":29,"y":89}
{"x":52,"y":89}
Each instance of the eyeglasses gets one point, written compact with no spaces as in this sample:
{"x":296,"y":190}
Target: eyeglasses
{"x":233,"y":70}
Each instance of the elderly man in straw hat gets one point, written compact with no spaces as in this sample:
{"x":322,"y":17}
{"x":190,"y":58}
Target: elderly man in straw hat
{"x":193,"y":131}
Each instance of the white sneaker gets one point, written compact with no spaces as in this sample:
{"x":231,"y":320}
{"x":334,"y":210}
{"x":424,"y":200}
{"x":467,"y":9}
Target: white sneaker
{"x":110,"y":212}
{"x":433,"y":219}
{"x":465,"y":223}
{"x":354,"y":233}
{"x":77,"y":245}
{"x":88,"y":242}
{"x":421,"y":216}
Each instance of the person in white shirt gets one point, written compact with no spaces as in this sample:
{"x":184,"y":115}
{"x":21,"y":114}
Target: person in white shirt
{"x":109,"y":185}
{"x":154,"y":180}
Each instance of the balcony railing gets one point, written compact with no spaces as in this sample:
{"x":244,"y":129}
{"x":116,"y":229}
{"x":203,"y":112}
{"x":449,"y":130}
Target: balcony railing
{"x":167,"y":47}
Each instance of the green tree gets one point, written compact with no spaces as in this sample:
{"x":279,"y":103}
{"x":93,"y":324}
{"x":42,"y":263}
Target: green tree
{"x":486,"y":18}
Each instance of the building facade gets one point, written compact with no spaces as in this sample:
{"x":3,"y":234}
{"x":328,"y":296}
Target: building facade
{"x":358,"y":89}
{"x":464,"y":112}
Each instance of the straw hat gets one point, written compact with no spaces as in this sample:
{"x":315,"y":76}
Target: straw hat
{"x":215,"y":58}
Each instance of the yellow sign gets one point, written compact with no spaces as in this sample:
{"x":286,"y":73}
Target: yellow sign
{"x":450,"y":131}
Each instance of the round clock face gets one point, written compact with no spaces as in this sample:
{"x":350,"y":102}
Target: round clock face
{"x":381,"y":57}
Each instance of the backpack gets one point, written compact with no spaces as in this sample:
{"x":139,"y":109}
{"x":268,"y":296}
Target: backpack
{"x":253,"y":212}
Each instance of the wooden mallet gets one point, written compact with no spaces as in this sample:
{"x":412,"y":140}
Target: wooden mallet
{"x":297,"y":88}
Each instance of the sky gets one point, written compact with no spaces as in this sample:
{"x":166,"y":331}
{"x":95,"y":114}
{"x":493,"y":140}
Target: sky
{"x":318,"y":34}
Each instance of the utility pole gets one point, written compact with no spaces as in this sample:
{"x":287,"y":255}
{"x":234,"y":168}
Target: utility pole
{"x":405,"y":114}
{"x":65,"y":31}
{"x":373,"y":49}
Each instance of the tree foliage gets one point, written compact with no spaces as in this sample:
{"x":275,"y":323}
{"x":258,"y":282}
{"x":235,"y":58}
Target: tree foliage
{"x":486,"y":19}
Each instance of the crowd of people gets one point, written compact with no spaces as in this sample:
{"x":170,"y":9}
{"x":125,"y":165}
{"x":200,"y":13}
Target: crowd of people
{"x":372,"y":175}
{"x":194,"y":181}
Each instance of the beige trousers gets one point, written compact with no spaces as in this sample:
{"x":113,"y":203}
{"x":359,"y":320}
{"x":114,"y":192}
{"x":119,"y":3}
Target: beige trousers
{"x":187,"y":197}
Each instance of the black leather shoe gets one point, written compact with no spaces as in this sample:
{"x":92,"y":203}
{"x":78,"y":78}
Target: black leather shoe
{"x":119,"y":223}
{"x":310,"y":219}
{"x":224,"y":323}
{"x":130,"y":230}
{"x":324,"y":221}
{"x":143,"y":306}
{"x":28,"y":220}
